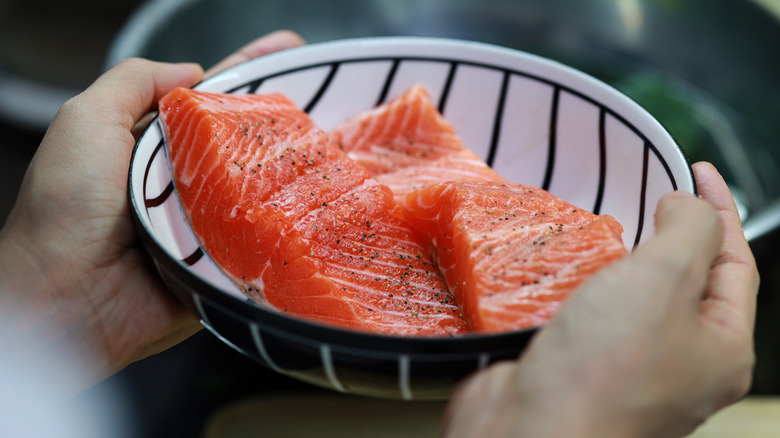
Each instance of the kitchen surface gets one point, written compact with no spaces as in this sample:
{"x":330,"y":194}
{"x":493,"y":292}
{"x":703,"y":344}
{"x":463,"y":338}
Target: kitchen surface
{"x":707,"y":68}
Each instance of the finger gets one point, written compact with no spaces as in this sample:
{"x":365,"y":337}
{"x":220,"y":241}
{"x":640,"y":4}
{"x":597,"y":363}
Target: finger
{"x":735,"y":278}
{"x":273,"y":42}
{"x":132,"y":87}
{"x":688,"y":239}
{"x":713,"y":188}
{"x":670,"y":267}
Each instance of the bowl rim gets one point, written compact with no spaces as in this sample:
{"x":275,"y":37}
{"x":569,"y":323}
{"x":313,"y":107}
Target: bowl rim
{"x":510,"y":56}
{"x":318,"y":333}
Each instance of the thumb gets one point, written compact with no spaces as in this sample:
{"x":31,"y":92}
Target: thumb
{"x":688,"y":237}
{"x":132,"y":87}
{"x":674,"y":262}
{"x":687,"y":228}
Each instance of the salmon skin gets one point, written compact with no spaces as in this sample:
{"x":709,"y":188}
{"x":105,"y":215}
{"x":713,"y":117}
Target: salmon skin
{"x":510,"y":253}
{"x":296,"y":223}
{"x":407,"y":144}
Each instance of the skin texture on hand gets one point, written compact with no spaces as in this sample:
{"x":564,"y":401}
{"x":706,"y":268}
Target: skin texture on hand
{"x":649,"y":347}
{"x":69,"y":256}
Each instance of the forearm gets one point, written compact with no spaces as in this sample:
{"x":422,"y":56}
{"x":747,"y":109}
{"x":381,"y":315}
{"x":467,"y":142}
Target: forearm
{"x":23,"y":273}
{"x":41,"y":320}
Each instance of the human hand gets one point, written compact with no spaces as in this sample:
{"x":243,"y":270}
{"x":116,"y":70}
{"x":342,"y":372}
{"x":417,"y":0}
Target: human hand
{"x":69,"y":257}
{"x":649,"y":347}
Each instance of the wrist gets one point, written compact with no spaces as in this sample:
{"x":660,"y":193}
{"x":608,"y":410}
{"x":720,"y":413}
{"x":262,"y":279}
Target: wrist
{"x":39,"y":307}
{"x":518,"y":399}
{"x":23,"y":279}
{"x":37,"y":283}
{"x":576,"y":420}
{"x":575,"y":402}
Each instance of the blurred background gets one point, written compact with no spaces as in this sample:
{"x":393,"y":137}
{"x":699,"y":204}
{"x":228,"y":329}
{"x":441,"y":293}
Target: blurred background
{"x":708,"y":69}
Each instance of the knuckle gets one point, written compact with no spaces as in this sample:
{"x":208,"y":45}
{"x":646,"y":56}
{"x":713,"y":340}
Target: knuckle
{"x":672,"y":265}
{"x":72,"y":108}
{"x":738,"y":384}
{"x":134,"y":63}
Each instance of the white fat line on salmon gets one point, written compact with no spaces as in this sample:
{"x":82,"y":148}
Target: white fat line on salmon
{"x":234,"y":146}
{"x":386,"y":270}
{"x":380,"y":312}
{"x":187,"y":173}
{"x":453,"y":173}
{"x":244,"y":157}
{"x":400,"y":295}
{"x":414,"y":112}
{"x":381,"y":156}
{"x":388,"y":127}
{"x":419,"y":201}
{"x":513,"y":229}
{"x":469,"y":159}
{"x":543,"y":286}
{"x":203,"y":197}
{"x":185,"y":155}
{"x":196,"y":156}
{"x":378,"y":153}
{"x":401,"y":314}
{"x":362,"y":288}
{"x":539,"y":317}
{"x":312,"y":215}
{"x":579,"y":257}
{"x":403,"y":249}
{"x":408,"y":282}
{"x":206,"y":175}
{"x":500,"y":263}
{"x":433,"y":174}
{"x":402,"y":230}
{"x":367,"y":128}
{"x":218,"y":191}
{"x":519,"y":313}
{"x":534,"y":294}
{"x":379,"y":256}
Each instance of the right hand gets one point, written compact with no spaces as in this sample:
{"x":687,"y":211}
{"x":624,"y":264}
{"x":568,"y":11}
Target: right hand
{"x":649,"y":347}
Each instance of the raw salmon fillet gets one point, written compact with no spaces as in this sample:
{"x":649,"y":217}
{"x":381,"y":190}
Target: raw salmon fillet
{"x":510,"y":253}
{"x":295,"y":222}
{"x":407,"y":144}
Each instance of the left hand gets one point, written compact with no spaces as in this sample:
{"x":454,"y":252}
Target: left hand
{"x":69,"y":257}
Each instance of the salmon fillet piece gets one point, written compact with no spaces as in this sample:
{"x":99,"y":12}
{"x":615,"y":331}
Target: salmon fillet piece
{"x":407,"y":144}
{"x":297,"y":224}
{"x":510,"y":253}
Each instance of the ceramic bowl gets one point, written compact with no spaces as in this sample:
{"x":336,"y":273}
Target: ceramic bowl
{"x":534,"y":120}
